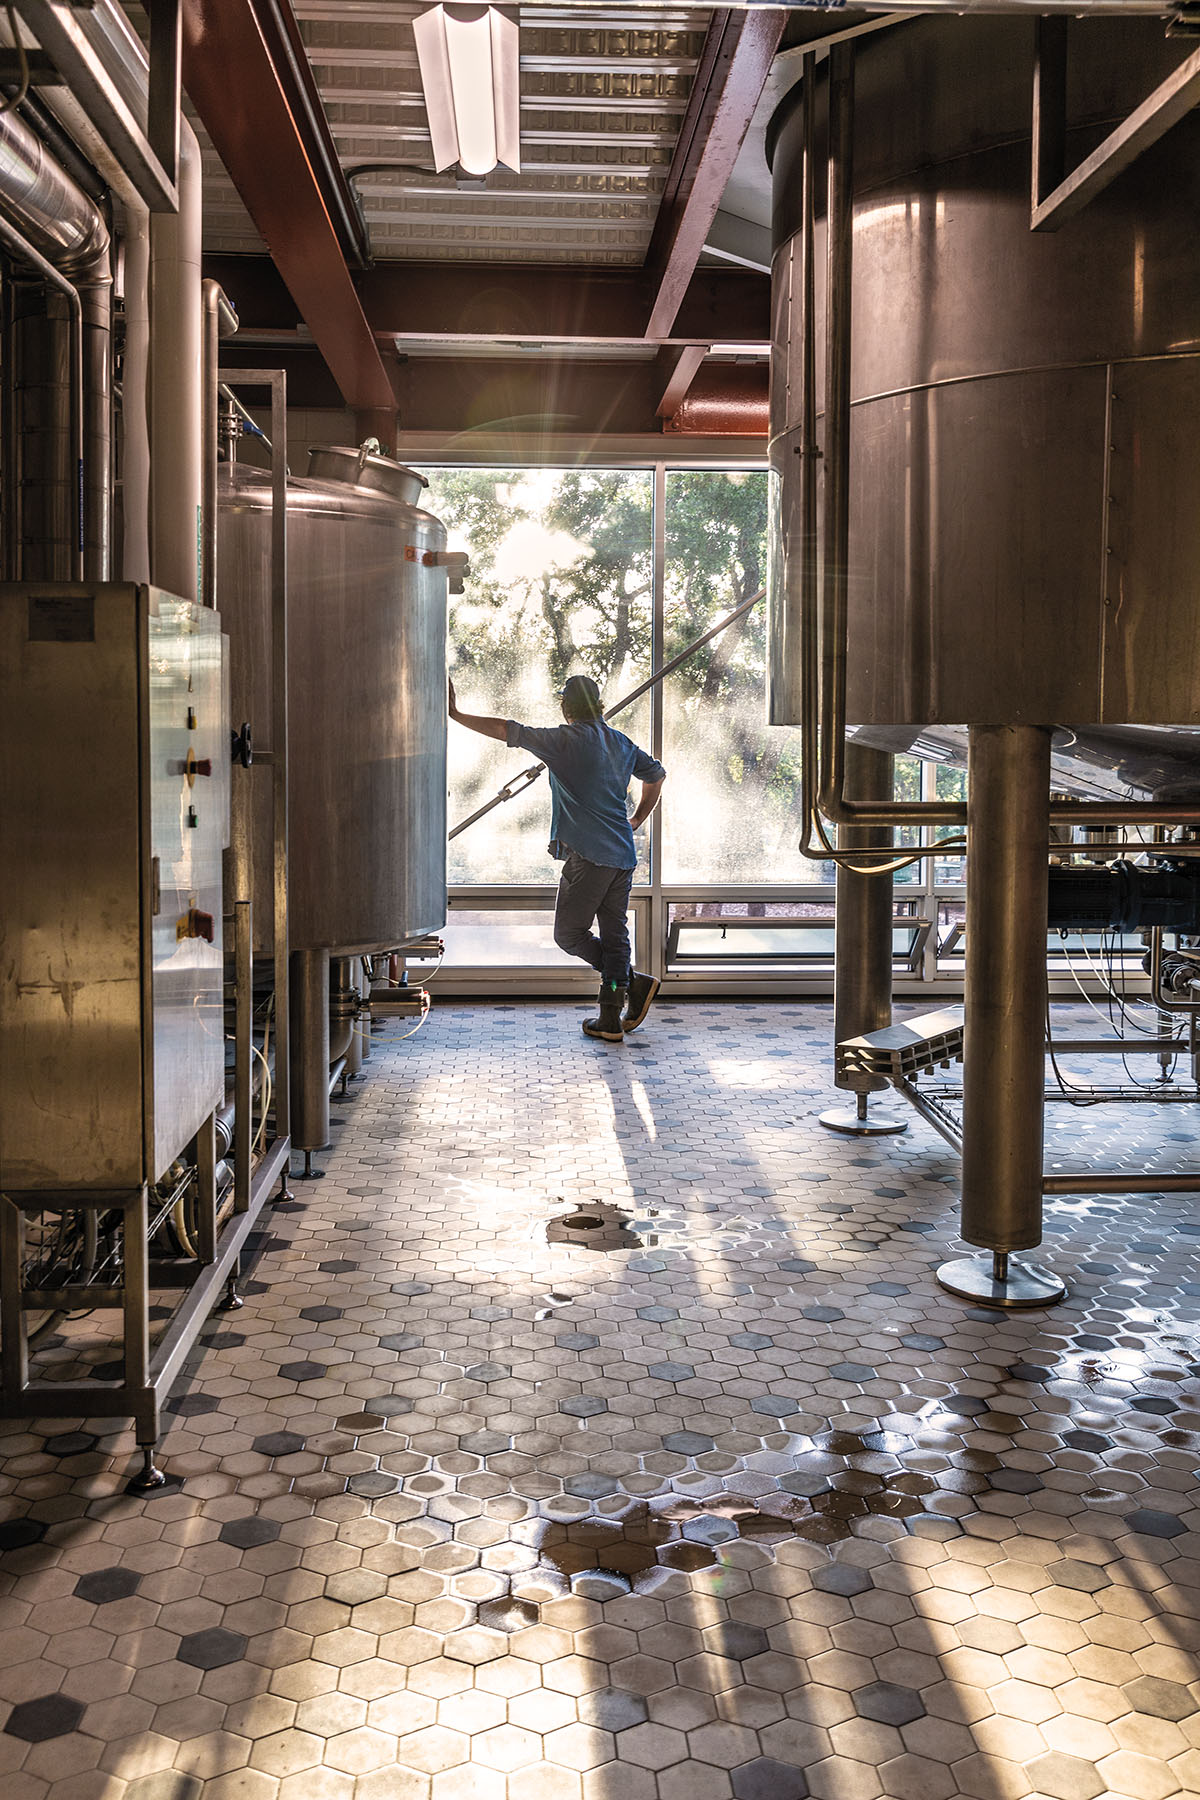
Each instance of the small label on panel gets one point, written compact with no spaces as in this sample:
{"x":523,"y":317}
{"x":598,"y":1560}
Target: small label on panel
{"x":62,"y":619}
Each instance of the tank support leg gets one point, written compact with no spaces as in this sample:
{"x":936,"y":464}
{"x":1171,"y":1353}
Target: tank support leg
{"x":309,"y":1043}
{"x":149,"y":1476}
{"x":232,"y":1301}
{"x":862,"y":983}
{"x":1004,"y":1053}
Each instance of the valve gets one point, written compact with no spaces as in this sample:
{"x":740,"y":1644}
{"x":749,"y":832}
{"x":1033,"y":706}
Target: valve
{"x":242,"y":746}
{"x":194,"y":924}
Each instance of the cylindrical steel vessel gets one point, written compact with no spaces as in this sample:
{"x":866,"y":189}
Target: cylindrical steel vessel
{"x":1023,"y":545}
{"x":366,"y":696}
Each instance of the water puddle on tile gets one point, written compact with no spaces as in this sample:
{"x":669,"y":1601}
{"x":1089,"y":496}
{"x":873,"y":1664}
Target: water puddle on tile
{"x":593,"y":1225}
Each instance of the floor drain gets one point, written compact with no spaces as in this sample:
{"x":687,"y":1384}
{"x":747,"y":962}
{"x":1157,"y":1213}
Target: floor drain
{"x":595,"y":1227}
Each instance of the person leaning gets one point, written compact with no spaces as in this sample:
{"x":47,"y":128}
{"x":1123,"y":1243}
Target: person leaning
{"x":591,"y":833}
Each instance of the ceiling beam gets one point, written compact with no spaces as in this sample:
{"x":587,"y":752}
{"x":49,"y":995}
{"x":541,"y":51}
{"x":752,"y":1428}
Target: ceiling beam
{"x":679,"y":369}
{"x":521,"y":302}
{"x":239,"y":93}
{"x":542,"y":395}
{"x":734,"y":66}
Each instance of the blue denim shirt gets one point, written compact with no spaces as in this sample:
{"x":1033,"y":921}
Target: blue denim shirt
{"x":590,"y":767}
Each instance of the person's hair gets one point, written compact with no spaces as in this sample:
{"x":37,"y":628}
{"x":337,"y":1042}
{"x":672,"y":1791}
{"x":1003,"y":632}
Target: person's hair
{"x":581,"y":700}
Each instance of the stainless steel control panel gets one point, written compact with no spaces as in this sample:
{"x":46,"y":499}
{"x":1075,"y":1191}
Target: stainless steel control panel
{"x":114,"y":807}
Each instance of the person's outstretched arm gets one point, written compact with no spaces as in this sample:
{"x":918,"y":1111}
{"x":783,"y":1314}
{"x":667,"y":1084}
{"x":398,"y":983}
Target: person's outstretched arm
{"x":651,"y":792}
{"x":480,"y":722}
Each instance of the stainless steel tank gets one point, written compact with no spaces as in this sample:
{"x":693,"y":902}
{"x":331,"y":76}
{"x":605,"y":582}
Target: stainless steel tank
{"x":1024,"y":543}
{"x":366,"y":695}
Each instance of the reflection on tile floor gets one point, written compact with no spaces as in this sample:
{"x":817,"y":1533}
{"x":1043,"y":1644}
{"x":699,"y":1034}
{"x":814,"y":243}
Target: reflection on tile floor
{"x":716,"y":1496}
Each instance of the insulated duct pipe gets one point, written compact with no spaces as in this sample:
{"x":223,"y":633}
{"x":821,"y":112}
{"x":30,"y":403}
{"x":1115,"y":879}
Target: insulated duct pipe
{"x":66,"y":511}
{"x":176,"y":385}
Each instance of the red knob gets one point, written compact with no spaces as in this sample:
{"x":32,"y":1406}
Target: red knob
{"x":202,"y":768}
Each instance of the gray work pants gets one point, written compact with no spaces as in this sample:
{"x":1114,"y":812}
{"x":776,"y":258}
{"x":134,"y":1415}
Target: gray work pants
{"x":589,"y":893}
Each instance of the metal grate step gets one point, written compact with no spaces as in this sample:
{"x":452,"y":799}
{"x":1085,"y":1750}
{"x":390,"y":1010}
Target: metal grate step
{"x":900,"y":1052}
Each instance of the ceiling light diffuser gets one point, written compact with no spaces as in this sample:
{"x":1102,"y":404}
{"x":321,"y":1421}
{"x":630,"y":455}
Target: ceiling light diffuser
{"x":470,"y":60}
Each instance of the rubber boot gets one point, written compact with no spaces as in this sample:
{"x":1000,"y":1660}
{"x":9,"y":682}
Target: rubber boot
{"x":642,"y":989}
{"x":608,"y":1026}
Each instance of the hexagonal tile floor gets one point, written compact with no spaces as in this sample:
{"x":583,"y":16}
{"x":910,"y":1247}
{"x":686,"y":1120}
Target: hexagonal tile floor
{"x":727,"y":1501}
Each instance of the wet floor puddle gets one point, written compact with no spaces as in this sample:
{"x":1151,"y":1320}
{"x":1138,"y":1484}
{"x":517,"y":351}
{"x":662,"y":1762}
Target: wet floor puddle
{"x":593,"y":1225}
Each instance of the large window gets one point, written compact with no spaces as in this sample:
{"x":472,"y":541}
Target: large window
{"x":561,"y":583}
{"x":610,"y":572}
{"x":733,"y":812}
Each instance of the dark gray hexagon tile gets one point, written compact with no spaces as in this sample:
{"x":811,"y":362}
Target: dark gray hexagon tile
{"x":278,"y":1443}
{"x":888,"y":1703}
{"x":765,"y":1778}
{"x":212,"y":1648}
{"x":51,"y":1716}
{"x":249,"y":1532}
{"x":102,"y":1586}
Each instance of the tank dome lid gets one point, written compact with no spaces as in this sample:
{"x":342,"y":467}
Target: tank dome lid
{"x":365,"y":468}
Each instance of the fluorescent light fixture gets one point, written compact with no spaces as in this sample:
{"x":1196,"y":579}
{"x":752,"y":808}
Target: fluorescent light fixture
{"x":469,"y":58}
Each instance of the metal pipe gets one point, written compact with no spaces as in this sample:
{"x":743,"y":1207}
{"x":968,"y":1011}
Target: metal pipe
{"x":176,"y":403}
{"x":931,"y":1114}
{"x":309,"y":1028}
{"x":809,"y":547}
{"x":862,"y":981}
{"x":343,"y":1007}
{"x":220,"y":321}
{"x":47,"y":206}
{"x":50,"y":517}
{"x":1006,"y":986}
{"x":243,"y":1041}
{"x":51,"y":224}
{"x":1156,"y":987}
{"x":135,"y":383}
{"x":56,"y":217}
{"x":839,"y":279}
{"x":227,"y":393}
{"x":1087,"y":1183}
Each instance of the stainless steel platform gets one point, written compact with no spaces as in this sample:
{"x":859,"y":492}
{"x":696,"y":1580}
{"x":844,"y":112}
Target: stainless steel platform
{"x":900,"y":1052}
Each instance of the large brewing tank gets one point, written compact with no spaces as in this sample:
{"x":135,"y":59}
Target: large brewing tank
{"x":1024,"y":539}
{"x":366,"y":678}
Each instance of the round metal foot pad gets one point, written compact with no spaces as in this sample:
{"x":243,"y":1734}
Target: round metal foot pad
{"x":1025,"y":1285}
{"x":146,"y":1481}
{"x":847,"y":1121}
